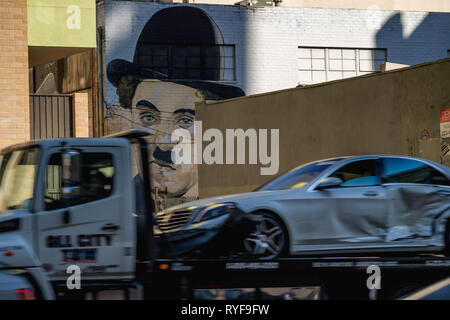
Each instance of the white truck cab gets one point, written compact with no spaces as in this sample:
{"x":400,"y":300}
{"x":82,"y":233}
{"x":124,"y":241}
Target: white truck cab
{"x":72,"y":201}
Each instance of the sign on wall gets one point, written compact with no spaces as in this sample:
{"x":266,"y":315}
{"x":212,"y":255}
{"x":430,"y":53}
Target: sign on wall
{"x":61,"y":23}
{"x":445,"y":123}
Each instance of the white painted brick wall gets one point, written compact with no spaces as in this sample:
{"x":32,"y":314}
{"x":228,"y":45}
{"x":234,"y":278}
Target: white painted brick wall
{"x":267,"y":39}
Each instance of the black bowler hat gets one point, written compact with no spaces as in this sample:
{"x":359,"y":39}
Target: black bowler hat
{"x":178,"y":25}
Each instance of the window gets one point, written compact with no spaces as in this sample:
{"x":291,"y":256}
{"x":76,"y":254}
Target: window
{"x":298,"y":177}
{"x":326,"y":64}
{"x":17,"y":174}
{"x":97,"y":172}
{"x":398,"y":170}
{"x":358,"y":174}
{"x":193,"y":62}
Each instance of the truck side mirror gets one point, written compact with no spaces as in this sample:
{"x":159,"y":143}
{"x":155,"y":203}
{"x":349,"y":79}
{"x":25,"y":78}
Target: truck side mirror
{"x":71,"y":182}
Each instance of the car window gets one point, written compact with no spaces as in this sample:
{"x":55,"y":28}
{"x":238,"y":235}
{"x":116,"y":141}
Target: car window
{"x":97,"y":172}
{"x":298,"y":177}
{"x":357,"y":174}
{"x":399,"y":170}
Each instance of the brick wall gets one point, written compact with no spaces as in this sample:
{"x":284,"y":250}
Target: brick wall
{"x":81,"y":114}
{"x":14,"y":93}
{"x":267,"y":39}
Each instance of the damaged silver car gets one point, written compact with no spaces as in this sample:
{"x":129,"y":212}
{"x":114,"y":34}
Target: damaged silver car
{"x":361,"y":204}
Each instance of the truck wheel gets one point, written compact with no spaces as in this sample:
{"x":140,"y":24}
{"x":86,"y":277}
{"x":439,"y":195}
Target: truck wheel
{"x":269,"y":240}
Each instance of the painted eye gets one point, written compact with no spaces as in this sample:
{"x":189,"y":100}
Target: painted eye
{"x":185,"y":122}
{"x":147,"y":117}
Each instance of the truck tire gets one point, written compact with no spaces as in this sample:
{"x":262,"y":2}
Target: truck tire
{"x":270,"y":239}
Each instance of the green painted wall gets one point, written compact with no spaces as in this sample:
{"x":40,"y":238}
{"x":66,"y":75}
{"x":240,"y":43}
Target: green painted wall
{"x":62,"y":23}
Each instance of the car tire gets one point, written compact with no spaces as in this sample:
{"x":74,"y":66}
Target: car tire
{"x":269,"y":240}
{"x":447,"y":238}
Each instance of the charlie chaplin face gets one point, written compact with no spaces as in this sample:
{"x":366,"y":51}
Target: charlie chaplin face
{"x":163,"y":107}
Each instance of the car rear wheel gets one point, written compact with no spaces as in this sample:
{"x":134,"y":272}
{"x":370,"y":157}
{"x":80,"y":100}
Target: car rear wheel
{"x":269,"y":240}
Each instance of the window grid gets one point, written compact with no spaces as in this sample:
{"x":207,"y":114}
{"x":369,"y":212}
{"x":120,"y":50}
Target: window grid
{"x":326,"y":64}
{"x":194,"y":62}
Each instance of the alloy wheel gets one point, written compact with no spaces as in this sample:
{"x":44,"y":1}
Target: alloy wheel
{"x":267,"y":241}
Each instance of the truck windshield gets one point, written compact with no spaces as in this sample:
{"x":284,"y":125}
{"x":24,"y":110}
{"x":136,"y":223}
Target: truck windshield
{"x":298,"y":177}
{"x":17,"y":175}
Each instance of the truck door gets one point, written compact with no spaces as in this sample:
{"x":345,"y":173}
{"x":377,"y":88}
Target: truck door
{"x":85,"y":229}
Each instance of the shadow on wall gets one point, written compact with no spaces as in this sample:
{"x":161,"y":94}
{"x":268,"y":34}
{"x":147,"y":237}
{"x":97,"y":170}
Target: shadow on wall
{"x":427,"y":42}
{"x":428,"y":45}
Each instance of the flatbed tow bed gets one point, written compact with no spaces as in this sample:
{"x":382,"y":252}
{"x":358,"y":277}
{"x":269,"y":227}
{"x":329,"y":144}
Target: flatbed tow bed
{"x":338,"y":277}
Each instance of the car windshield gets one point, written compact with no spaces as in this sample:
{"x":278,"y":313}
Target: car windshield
{"x":17,"y":176}
{"x":298,"y":177}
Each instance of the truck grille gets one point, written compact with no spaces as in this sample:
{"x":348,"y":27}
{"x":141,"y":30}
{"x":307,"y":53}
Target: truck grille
{"x":169,"y":221}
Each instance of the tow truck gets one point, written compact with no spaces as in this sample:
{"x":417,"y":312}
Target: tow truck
{"x":54,"y":216}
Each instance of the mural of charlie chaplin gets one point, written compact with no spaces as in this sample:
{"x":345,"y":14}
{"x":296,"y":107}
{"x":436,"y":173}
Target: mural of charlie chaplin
{"x":177,"y":58}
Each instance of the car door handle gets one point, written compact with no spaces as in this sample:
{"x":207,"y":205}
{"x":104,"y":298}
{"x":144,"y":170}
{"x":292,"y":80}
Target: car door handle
{"x":370,"y":193}
{"x":66,"y":217}
{"x":110,"y":227}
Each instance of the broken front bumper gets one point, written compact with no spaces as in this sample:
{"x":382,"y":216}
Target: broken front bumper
{"x":211,"y":238}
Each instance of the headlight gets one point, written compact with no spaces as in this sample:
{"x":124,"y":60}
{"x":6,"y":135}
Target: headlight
{"x":214,"y":210}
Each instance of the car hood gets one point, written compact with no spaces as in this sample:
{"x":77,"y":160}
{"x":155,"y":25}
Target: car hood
{"x":240,"y":198}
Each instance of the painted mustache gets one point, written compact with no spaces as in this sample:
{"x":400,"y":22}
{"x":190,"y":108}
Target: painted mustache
{"x":163,"y":158}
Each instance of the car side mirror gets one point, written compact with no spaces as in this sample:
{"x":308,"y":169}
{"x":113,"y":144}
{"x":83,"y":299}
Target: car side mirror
{"x":71,"y":172}
{"x":330,"y":182}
